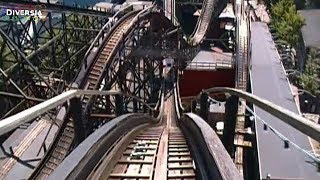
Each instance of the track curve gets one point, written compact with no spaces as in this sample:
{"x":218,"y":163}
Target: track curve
{"x":159,"y":152}
{"x":154,"y":151}
{"x":210,"y":9}
{"x":65,"y":137}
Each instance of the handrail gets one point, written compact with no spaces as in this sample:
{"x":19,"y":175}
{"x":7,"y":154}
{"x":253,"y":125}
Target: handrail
{"x":176,"y":101}
{"x":142,"y":13}
{"x":177,"y":98}
{"x":14,"y":121}
{"x":300,"y":123}
{"x":161,"y":102}
{"x":178,"y":95}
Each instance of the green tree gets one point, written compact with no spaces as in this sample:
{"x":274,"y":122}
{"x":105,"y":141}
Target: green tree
{"x":6,"y":57}
{"x":300,"y":4}
{"x":308,"y":83}
{"x":313,"y":62}
{"x":310,"y":79}
{"x":286,"y":22}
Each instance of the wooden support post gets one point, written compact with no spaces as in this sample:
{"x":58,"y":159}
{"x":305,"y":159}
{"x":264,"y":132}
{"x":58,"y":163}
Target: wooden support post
{"x":204,"y":106}
{"x":230,"y":124}
{"x":145,"y":109}
{"x":79,"y":121}
{"x":119,"y":105}
{"x":193,"y":106}
{"x":135,"y":105}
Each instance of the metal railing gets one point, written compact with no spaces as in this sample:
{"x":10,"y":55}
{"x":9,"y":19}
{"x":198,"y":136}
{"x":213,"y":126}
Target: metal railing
{"x":189,"y":1}
{"x":298,"y":122}
{"x":210,"y":65}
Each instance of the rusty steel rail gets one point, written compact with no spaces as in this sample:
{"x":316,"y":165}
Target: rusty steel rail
{"x":298,"y":122}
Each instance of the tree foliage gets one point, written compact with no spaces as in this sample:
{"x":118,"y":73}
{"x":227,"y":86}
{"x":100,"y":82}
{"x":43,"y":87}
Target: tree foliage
{"x":310,"y":79}
{"x":300,"y":4}
{"x":6,"y":57}
{"x":286,"y":22}
{"x":313,"y":62}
